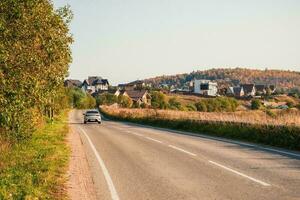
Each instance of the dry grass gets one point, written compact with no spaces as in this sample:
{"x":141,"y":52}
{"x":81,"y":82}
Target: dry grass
{"x":287,"y":117}
{"x":4,"y":147}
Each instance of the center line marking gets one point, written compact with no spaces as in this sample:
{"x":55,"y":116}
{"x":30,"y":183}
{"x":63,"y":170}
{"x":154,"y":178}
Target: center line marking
{"x":182,"y":150}
{"x":241,"y":174}
{"x":149,"y":138}
{"x":111,"y":187}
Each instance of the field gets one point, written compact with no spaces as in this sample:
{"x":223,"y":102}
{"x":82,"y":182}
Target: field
{"x":280,"y":117}
{"x":252,"y":126}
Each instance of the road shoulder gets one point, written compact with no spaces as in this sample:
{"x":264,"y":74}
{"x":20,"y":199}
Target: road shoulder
{"x":80,"y":184}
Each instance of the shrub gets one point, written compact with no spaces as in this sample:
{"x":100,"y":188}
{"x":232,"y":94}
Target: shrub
{"x":174,"y":104}
{"x":159,"y":100}
{"x":191,"y":107}
{"x":219,"y":104}
{"x":201,"y":106}
{"x":143,"y":105}
{"x":136,"y":105}
{"x":255,"y":104}
{"x":124,"y":101}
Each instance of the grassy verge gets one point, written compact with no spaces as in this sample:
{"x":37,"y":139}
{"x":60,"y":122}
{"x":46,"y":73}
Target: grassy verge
{"x":274,"y":135}
{"x":35,"y":168}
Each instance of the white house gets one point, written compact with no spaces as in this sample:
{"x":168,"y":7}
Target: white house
{"x":95,"y":84}
{"x":205,"y":87}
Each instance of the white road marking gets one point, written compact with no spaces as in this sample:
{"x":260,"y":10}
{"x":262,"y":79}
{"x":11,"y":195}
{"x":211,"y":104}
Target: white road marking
{"x":149,"y":138}
{"x":241,"y":174}
{"x":134,"y":133}
{"x":182,"y":150}
{"x":112,"y":189}
{"x":170,"y":131}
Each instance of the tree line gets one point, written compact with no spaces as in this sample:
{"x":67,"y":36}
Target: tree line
{"x":34,"y":60}
{"x":160,"y":101}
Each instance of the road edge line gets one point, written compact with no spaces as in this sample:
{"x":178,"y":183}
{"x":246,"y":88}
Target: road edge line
{"x":111,"y":187}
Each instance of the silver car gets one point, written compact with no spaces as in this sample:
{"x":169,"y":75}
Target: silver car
{"x":92,"y":116}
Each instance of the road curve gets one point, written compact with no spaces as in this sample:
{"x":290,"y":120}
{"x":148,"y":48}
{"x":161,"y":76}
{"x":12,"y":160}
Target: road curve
{"x":133,"y":162}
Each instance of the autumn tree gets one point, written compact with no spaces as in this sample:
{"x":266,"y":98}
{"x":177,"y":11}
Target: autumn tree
{"x":34,"y":58}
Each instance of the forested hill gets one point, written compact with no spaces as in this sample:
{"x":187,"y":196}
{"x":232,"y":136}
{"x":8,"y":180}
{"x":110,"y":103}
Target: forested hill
{"x":226,"y":77}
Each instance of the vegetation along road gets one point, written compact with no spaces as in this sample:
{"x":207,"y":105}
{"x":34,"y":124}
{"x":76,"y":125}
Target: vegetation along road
{"x":136,"y":162}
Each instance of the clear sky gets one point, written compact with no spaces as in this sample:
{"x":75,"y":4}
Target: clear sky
{"x":125,"y":40}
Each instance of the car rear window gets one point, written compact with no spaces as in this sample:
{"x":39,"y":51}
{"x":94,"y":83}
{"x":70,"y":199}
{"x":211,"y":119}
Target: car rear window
{"x":92,"y":112}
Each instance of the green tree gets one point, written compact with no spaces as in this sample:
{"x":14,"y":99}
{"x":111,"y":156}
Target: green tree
{"x":34,"y":58}
{"x":106,"y":99}
{"x":87,"y":102}
{"x":76,"y":96}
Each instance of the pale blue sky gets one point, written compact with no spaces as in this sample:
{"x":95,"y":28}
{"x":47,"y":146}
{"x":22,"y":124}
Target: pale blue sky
{"x":125,"y":40}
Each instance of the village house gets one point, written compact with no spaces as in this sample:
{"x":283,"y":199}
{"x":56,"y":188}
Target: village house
{"x":72,"y":83}
{"x":115,"y":92}
{"x":235,"y":91}
{"x":135,"y":85}
{"x":249,"y":89}
{"x":261,"y":89}
{"x":138,"y":96}
{"x":94,"y":84}
{"x":205,"y":87}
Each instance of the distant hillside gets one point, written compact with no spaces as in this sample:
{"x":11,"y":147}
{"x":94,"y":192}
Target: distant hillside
{"x":230,"y":77}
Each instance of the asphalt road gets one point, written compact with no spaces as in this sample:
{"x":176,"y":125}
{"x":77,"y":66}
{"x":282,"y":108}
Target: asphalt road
{"x":134,"y":162}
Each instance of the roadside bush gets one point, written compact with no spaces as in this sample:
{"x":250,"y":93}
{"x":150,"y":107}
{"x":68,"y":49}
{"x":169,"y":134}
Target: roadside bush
{"x":159,"y":100}
{"x":256,"y":104}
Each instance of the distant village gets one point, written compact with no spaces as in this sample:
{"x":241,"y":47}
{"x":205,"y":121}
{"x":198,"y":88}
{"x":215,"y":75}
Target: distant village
{"x":138,"y":91}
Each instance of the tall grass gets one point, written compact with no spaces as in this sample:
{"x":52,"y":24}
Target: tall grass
{"x":278,"y":132}
{"x":35,"y":168}
{"x":279,"y":117}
